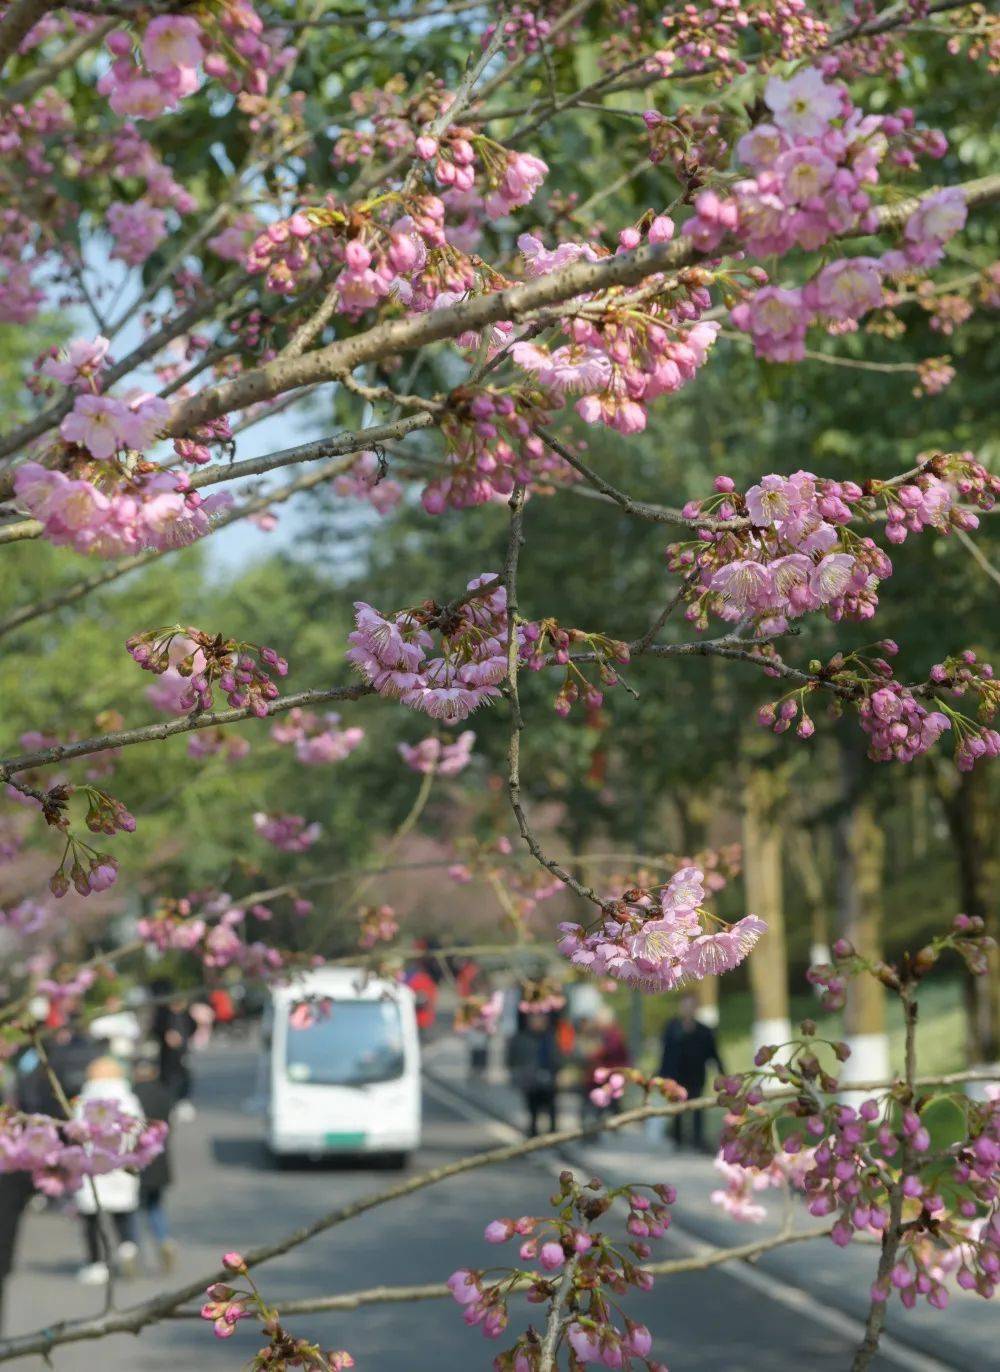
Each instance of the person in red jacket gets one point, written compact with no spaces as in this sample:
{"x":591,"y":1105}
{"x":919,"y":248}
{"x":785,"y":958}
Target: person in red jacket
{"x":425,"y":990}
{"x":603,"y":1047}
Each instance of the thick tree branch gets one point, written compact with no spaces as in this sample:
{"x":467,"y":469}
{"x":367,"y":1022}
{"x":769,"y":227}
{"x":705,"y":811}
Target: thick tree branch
{"x":512,"y":303}
{"x":20,"y":18}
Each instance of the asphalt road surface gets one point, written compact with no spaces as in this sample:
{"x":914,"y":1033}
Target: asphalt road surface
{"x":228,"y":1195}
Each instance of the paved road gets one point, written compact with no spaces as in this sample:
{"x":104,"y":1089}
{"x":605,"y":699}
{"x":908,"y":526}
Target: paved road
{"x":229,"y":1196}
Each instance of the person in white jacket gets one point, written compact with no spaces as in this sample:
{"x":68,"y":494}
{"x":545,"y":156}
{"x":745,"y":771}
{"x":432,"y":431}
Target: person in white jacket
{"x":115,"y":1195}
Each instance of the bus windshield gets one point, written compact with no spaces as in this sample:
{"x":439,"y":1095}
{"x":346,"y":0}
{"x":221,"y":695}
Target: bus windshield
{"x":357,"y":1043}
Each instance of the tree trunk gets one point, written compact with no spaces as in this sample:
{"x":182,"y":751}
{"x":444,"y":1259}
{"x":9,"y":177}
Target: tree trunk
{"x":861,"y":874}
{"x":767,"y":965}
{"x":971,"y":812}
{"x":803,"y":851}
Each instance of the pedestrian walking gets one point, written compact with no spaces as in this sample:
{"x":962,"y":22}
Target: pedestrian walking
{"x":70,"y":1053}
{"x":603,"y":1048}
{"x":425,"y":992}
{"x":533,"y":1062}
{"x":113,"y":1196}
{"x":16,"y":1190}
{"x":156,"y":1100}
{"x":173,"y":1029}
{"x":688,"y":1047}
{"x":223,"y":1009}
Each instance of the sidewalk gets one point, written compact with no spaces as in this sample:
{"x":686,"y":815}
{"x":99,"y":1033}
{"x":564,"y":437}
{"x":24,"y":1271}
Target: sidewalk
{"x":959,"y":1338}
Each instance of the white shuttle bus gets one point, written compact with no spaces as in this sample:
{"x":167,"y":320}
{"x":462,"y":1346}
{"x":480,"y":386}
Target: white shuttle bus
{"x":342,"y":1067}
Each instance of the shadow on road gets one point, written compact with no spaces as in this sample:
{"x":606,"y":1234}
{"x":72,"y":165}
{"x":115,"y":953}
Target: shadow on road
{"x":249,"y":1154}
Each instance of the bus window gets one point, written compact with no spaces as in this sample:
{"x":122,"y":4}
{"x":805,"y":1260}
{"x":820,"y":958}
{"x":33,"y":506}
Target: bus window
{"x":358,"y":1043}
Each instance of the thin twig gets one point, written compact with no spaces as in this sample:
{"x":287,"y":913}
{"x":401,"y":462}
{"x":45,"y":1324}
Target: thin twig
{"x":514,"y":543}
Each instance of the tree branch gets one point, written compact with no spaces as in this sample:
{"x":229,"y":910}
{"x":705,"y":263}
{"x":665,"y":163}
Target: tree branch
{"x":511,"y":303}
{"x":20,"y":18}
{"x":85,"y":585}
{"x":136,"y":1317}
{"x":391,"y":1295}
{"x":152,"y":733}
{"x":514,"y":544}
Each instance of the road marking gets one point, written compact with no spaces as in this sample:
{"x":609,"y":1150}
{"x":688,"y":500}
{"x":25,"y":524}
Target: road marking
{"x":891,"y":1349}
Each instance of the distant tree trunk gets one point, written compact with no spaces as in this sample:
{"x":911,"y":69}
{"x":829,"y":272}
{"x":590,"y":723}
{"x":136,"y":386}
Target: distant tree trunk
{"x":972,"y":818}
{"x":804,"y":855}
{"x":861,"y":876}
{"x":762,"y":877}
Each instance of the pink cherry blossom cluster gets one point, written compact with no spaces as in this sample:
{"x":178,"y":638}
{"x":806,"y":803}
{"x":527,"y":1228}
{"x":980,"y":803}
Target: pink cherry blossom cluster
{"x":373,"y":259}
{"x":233,"y":242}
{"x":513,"y":177}
{"x":195,"y":447}
{"x":157,"y":511}
{"x":659,"y":945}
{"x":81,"y":865}
{"x":224,"y":947}
{"x":138,"y":229}
{"x":26,"y":917}
{"x":900,"y":727}
{"x":814,"y":165}
{"x":492,"y":445}
{"x":525,"y":28}
{"x":174,"y":926}
{"x":366,"y":481}
{"x":619,"y":363}
{"x":376,"y":924}
{"x":60,"y":1153}
{"x":391,"y":653}
{"x":67,"y":988}
{"x":105,"y":425}
{"x":546,"y":641}
{"x":784,"y":555}
{"x":939,"y":496}
{"x":567,"y":1241}
{"x":965,"y":675}
{"x":433,"y":754}
{"x":242,"y":671}
{"x":481,"y":1013}
{"x":228,"y":1304}
{"x":236,"y":51}
{"x":210,"y":929}
{"x":290,"y":833}
{"x":714,"y":40}
{"x":611,"y":1084}
{"x":744,"y":1184}
{"x":317,"y":740}
{"x":172,"y":49}
{"x":541,"y":996}
{"x":79,"y":364}
{"x":848,"y":1170}
{"x":225,"y":1308}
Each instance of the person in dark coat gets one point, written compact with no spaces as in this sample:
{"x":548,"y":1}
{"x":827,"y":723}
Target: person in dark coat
{"x":173,"y":1028}
{"x":156,"y":1100}
{"x":16,"y":1189}
{"x":688,"y":1047}
{"x":70,"y":1054}
{"x":533,"y":1061}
